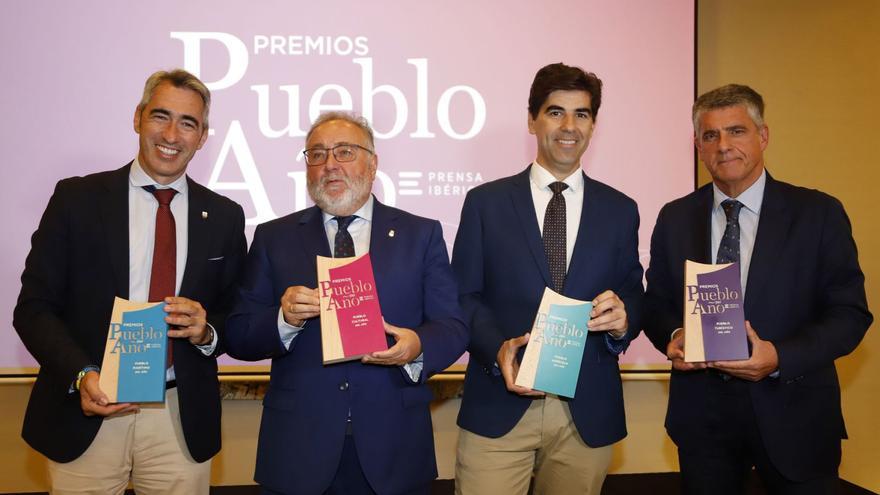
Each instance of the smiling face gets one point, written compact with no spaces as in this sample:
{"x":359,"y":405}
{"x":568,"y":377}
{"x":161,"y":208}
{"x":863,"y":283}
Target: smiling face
{"x":563,"y":128}
{"x":341,"y":188}
{"x":731,"y":146}
{"x":171,"y":129}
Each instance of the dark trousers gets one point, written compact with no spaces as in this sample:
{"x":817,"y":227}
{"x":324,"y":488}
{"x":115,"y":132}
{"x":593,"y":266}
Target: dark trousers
{"x":723,"y":463}
{"x":350,"y":479}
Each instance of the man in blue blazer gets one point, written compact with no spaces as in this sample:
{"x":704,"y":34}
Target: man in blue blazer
{"x":805,"y":306}
{"x":357,"y":427}
{"x":511,"y":244}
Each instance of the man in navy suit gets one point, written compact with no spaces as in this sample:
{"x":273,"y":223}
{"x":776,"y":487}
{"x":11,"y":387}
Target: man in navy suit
{"x":511,"y":244}
{"x":358,"y":427}
{"x":805,"y":306}
{"x":95,"y":242}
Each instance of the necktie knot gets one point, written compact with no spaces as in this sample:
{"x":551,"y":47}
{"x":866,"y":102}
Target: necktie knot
{"x":344,"y":222}
{"x":731,"y":208}
{"x":557,"y":187}
{"x":163,"y":196}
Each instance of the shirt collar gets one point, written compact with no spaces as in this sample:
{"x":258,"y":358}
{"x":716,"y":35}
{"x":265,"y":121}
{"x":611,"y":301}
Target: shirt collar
{"x":751,"y":198}
{"x":138,"y":178}
{"x":365,"y":211}
{"x":542,"y":178}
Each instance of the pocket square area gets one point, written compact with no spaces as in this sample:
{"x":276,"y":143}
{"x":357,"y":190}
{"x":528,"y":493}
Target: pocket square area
{"x":218,"y":258}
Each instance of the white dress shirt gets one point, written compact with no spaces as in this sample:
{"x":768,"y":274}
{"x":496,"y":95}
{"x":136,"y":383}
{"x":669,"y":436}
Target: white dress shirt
{"x":749,"y":214}
{"x":142,"y":207}
{"x":540,"y":180}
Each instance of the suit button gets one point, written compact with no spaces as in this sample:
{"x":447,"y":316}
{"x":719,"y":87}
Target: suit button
{"x":343,"y":386}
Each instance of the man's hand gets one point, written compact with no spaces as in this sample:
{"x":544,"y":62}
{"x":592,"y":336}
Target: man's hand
{"x":407,"y":347}
{"x":509,"y":366}
{"x":187,"y":320}
{"x":95,"y":403}
{"x":675,"y":352}
{"x":608,"y":314}
{"x":299,"y":304}
{"x":763,"y":361}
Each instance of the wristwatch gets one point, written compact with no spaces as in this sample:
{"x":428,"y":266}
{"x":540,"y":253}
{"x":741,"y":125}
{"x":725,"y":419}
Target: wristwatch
{"x":82,"y":373}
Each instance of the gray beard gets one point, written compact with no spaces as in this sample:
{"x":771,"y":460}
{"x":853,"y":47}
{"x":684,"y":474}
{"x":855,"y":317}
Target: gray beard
{"x":348,"y":202}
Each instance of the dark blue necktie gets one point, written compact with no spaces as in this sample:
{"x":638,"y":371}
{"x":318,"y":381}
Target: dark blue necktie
{"x":343,"y":245}
{"x":728,"y":250}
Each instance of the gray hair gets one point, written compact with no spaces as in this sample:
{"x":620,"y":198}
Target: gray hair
{"x":729,"y":96}
{"x":349,"y":117}
{"x":178,"y":78}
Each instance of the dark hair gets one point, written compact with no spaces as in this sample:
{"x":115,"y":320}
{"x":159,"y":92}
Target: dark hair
{"x":729,"y":96}
{"x":561,"y":77}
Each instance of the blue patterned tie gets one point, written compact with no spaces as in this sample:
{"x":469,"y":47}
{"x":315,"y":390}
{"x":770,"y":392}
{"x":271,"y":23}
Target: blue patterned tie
{"x":343,"y":245}
{"x":554,"y":235}
{"x":728,"y":250}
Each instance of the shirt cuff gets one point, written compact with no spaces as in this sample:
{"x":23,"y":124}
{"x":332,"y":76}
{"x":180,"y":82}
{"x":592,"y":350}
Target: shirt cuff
{"x":209,"y":348}
{"x":414,"y":368}
{"x":615,"y":346}
{"x":286,"y":331}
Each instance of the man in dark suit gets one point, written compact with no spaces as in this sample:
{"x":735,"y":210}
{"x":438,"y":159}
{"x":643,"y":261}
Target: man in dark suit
{"x":805,"y":306}
{"x":96,"y":242}
{"x":511,"y":244}
{"x":358,"y":427}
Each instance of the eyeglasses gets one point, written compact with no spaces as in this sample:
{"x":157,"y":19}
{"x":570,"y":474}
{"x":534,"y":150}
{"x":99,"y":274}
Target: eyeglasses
{"x":341,"y":152}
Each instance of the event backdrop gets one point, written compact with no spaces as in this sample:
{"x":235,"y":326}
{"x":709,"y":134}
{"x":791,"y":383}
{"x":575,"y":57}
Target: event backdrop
{"x":445,"y":85}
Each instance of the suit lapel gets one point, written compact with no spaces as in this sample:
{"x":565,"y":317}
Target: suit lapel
{"x":382,"y":245}
{"x":773,"y":225}
{"x":198,"y":238}
{"x":591,"y":221}
{"x":312,"y":236}
{"x":524,"y":206}
{"x":114,"y":216}
{"x":701,"y":248}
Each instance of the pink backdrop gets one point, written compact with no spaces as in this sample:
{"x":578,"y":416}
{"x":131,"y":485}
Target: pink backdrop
{"x":446,"y":85}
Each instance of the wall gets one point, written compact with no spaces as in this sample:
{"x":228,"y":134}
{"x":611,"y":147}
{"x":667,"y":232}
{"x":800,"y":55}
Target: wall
{"x":817,"y":64}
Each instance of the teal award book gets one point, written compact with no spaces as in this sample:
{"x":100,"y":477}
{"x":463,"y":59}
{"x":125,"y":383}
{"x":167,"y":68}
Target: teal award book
{"x":552,"y":360}
{"x":133,"y":369}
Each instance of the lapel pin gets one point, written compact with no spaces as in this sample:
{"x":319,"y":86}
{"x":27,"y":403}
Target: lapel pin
{"x":391,"y":233}
{"x":204,"y":214}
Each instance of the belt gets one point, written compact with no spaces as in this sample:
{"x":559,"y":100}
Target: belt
{"x":170,"y":384}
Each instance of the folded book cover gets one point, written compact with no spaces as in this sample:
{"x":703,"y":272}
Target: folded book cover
{"x":133,"y":369}
{"x":552,"y":360}
{"x":714,"y":320}
{"x":351,"y":318}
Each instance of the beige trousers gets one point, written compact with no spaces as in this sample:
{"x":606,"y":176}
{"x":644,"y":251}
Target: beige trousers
{"x":146,"y":448}
{"x":545,"y":443}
